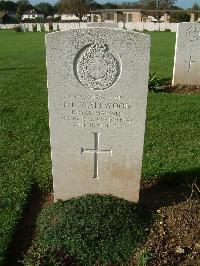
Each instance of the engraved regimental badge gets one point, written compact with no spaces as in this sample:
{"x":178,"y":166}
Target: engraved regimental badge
{"x":96,"y":67}
{"x":193,"y":34}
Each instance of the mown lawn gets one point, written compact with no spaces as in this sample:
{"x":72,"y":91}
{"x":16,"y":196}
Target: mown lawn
{"x":171,"y":140}
{"x":24,"y":145}
{"x":162,"y":54}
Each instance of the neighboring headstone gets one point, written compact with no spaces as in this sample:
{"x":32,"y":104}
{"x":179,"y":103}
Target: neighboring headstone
{"x":55,"y":26}
{"x":173,"y":27}
{"x":39,"y":28}
{"x":97,"y":88}
{"x":129,"y":25}
{"x":121,"y":25}
{"x":102,"y":25}
{"x":30,"y":27}
{"x":166,"y":18}
{"x":156,"y":26}
{"x":61,"y":26}
{"x":187,"y":55}
{"x":149,"y":26}
{"x":192,"y":18}
{"x":83,"y":25}
{"x":46,"y":27}
{"x":26,"y":26}
{"x":140,"y":26}
{"x":162,"y":26}
{"x":22,"y":25}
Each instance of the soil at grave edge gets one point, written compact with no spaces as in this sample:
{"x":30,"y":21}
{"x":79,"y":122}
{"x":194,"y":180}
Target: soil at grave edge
{"x":180,"y":89}
{"x":174,"y":238}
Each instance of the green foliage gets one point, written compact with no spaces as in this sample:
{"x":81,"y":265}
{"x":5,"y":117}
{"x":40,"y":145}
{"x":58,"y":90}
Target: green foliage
{"x":22,"y":6}
{"x":45,"y":8}
{"x":179,"y":17}
{"x":155,"y":83}
{"x":91,"y":228}
{"x":110,"y":5}
{"x":157,"y":4}
{"x":18,"y":29}
{"x":24,"y":132}
{"x":162,"y":53}
{"x":171,"y":134}
{"x":77,"y":7}
{"x":144,"y":257}
{"x":8,"y":5}
{"x":196,"y":6}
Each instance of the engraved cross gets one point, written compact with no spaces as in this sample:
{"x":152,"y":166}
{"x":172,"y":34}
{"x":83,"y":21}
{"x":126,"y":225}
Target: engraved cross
{"x":96,"y":151}
{"x":190,"y":63}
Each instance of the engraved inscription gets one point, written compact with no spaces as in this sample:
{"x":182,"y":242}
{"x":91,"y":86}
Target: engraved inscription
{"x":190,"y":61}
{"x":96,"y":151}
{"x":96,"y":67}
{"x":99,"y":112}
{"x":193,"y":34}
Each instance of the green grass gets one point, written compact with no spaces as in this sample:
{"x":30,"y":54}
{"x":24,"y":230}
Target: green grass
{"x":162,"y":53}
{"x":171,"y":139}
{"x":171,"y":136}
{"x":24,"y":134}
{"x":89,"y":232}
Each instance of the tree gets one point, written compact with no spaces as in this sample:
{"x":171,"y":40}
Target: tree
{"x":23,"y":5}
{"x":45,"y":8}
{"x":149,"y":4}
{"x":158,"y":4}
{"x":196,"y":7}
{"x":179,"y":17}
{"x":8,"y":5}
{"x":196,"y":10}
{"x":77,"y":7}
{"x":127,"y":5}
{"x":166,"y":4}
{"x":110,"y":5}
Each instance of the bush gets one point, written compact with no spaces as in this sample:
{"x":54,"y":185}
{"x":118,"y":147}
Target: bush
{"x":155,"y":83}
{"x":90,"y":229}
{"x":179,"y":17}
{"x":18,"y":29}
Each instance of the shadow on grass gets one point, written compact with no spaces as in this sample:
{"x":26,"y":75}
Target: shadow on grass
{"x":171,"y":188}
{"x":22,"y":238}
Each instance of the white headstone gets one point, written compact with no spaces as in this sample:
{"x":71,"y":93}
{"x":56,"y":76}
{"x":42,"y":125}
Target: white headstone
{"x":129,"y":25}
{"x":165,"y":18}
{"x":23,"y":28}
{"x":121,"y":25}
{"x":39,"y":28}
{"x":97,"y":87}
{"x":102,"y":25}
{"x":173,"y":27}
{"x":30,"y":27}
{"x":139,"y":26}
{"x":162,"y":26}
{"x":192,"y":18}
{"x":83,"y":25}
{"x":46,"y":27}
{"x":61,"y":26}
{"x":55,"y":26}
{"x":149,"y":26}
{"x":187,"y":55}
{"x":156,"y":26}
